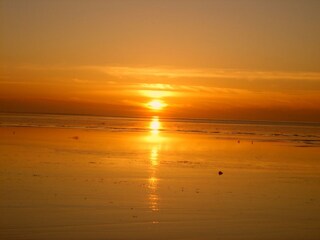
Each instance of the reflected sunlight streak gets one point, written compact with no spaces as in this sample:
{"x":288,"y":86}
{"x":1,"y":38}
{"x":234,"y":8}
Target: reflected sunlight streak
{"x":153,"y":195}
{"x":155,"y":125}
{"x":154,"y":156}
{"x":154,"y":140}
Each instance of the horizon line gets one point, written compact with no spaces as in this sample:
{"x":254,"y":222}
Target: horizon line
{"x":200,"y":120}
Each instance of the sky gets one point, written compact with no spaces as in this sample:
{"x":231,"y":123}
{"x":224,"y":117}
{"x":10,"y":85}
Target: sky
{"x":218,"y":59}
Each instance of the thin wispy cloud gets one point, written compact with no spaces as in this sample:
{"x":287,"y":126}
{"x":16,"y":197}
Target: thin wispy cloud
{"x":142,"y":72}
{"x":170,"y":72}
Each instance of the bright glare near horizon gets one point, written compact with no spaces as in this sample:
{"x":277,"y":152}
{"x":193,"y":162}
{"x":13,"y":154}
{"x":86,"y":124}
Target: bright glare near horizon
{"x":155,"y":125}
{"x":156,"y":104}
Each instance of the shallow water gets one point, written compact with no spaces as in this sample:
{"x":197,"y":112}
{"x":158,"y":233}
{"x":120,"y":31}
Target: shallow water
{"x":296,"y":132}
{"x":68,"y":177}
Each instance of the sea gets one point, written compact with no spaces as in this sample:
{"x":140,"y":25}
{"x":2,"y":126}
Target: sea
{"x":303,"y":134}
{"x":93,"y":177}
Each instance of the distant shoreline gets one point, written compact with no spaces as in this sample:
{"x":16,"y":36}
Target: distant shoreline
{"x":176,"y":119}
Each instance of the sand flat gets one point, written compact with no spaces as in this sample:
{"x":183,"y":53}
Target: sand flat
{"x":141,"y":185}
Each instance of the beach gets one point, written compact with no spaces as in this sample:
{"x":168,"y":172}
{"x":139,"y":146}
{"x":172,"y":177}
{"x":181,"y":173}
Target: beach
{"x":157,"y":179}
{"x":159,"y":120}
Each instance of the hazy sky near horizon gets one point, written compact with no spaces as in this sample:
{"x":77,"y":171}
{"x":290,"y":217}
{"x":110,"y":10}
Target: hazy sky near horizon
{"x":231,"y":59}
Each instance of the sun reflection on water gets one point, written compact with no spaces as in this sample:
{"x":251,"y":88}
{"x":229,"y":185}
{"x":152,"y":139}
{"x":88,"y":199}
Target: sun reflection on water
{"x":155,"y":145}
{"x":154,"y":156}
{"x":155,"y":125}
{"x":153,"y":195}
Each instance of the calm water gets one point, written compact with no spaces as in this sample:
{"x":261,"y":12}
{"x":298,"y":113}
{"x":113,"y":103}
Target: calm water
{"x":76,"y":177}
{"x":304,"y":134}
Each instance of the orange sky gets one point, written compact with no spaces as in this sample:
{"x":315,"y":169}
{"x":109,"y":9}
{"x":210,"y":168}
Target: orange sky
{"x":240,"y":59}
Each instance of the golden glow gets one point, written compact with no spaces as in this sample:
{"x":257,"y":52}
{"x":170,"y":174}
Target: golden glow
{"x":155,"y":94}
{"x":156,"y":104}
{"x":152,"y":183}
{"x":155,"y":144}
{"x":153,"y":180}
{"x":153,"y":196}
{"x":154,"y":156}
{"x":155,"y":125}
{"x":196,"y":79}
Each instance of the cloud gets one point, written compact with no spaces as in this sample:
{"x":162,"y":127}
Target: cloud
{"x":164,"y":72}
{"x":144,"y":72}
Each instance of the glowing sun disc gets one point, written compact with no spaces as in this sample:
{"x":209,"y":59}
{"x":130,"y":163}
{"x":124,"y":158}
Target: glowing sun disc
{"x":156,"y":104}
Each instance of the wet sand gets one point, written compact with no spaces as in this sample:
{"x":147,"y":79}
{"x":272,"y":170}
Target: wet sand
{"x":87,"y":184}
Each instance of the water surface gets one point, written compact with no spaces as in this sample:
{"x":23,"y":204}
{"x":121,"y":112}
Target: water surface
{"x":78,"y":177}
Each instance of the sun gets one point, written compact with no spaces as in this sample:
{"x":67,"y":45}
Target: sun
{"x":156,"y":104}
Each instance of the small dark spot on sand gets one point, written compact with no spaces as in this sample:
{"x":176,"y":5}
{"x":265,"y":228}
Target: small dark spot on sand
{"x":36,"y":175}
{"x":238,"y":141}
{"x":92,"y":162}
{"x":220,"y":173}
{"x":134,"y":216}
{"x":75,"y":137}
